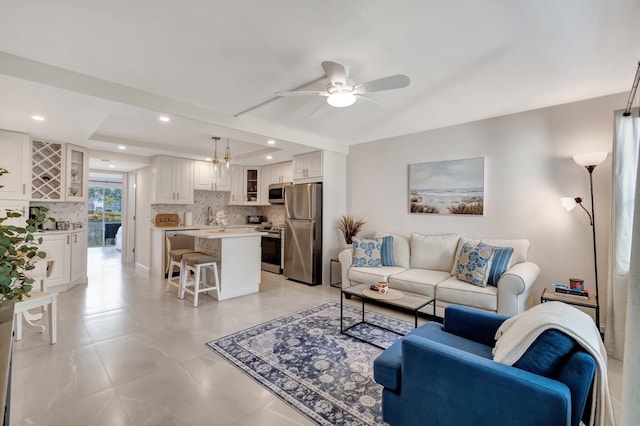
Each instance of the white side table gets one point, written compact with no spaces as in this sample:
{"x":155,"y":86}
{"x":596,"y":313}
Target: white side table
{"x":37,"y":300}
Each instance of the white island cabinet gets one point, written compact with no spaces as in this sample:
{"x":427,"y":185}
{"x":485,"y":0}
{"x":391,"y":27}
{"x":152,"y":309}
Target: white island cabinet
{"x":239,"y":266}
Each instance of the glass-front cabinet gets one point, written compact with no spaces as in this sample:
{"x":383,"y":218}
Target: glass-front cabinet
{"x":77,"y":173}
{"x":252,"y":185}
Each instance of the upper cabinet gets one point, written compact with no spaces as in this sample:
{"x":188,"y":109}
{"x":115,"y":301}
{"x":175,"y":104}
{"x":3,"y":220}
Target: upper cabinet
{"x":281,"y":172}
{"x":47,"y":171}
{"x":174,"y":180}
{"x":206,"y":177}
{"x":245,"y":186}
{"x":77,"y":173}
{"x":15,"y":160}
{"x":307,"y":167}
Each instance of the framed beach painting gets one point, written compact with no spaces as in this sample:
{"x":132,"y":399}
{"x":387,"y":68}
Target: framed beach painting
{"x":447,"y":187}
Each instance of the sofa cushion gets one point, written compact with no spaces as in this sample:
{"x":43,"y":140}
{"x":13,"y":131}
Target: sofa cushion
{"x":366,"y":252}
{"x":401,"y":251}
{"x":387,"y":367}
{"x":520,"y":249}
{"x":386,"y":255}
{"x":368,"y":275}
{"x":459,"y":292}
{"x":499,"y":263}
{"x":433,"y":251}
{"x":419,"y":281}
{"x":474,"y":264}
{"x":547,"y":354}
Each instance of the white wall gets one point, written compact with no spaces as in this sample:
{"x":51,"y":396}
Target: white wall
{"x":528,"y":167}
{"x":144,"y":180}
{"x":334,"y":205}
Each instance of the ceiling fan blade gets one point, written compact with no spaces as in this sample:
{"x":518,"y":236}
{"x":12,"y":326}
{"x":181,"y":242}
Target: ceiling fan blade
{"x":336,"y":72}
{"x":303,"y":93}
{"x":397,"y":81}
{"x":359,"y":97}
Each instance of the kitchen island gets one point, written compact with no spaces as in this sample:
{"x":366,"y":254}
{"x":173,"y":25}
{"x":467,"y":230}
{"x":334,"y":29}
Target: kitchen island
{"x":239,"y":266}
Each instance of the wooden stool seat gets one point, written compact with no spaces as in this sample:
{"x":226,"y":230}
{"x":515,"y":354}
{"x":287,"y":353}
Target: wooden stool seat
{"x":177,"y":247}
{"x":197,"y":264}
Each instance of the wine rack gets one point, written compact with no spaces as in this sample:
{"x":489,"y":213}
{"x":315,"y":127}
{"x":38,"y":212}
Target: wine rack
{"x":46,"y":171}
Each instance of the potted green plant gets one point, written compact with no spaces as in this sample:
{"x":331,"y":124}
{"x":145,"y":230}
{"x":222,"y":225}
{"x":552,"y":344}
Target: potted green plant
{"x":19,"y":250}
{"x":350,"y":226}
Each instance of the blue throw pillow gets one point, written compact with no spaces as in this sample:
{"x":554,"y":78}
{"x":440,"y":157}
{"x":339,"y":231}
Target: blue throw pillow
{"x":387,"y":251}
{"x":547,"y":355}
{"x":501,"y":257}
{"x":366,"y":252}
{"x":474,"y":264}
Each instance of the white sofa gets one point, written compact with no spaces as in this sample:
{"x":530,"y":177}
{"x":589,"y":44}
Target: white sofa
{"x":425,"y":264}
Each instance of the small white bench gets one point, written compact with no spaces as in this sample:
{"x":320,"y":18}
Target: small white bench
{"x":37,"y":300}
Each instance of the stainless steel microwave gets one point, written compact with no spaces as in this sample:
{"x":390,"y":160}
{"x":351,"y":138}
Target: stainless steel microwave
{"x":276,"y":192}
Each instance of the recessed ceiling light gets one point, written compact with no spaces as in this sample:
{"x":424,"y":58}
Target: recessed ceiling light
{"x":112,"y":166}
{"x":271,"y":142}
{"x":37,"y":117}
{"x":122,"y":147}
{"x":208,"y":159}
{"x":164,"y":119}
{"x":269,"y":157}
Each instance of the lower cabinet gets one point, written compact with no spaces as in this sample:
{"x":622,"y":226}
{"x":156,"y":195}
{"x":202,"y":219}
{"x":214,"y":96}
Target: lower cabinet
{"x":69,"y":253}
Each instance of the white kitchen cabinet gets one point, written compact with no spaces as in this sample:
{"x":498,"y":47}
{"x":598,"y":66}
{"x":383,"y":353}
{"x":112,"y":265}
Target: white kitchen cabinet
{"x":47,"y":175}
{"x":69,"y":253}
{"x":174,"y":180}
{"x":206,"y":177}
{"x":281,"y":172}
{"x":266,"y":173}
{"x":252,"y":186}
{"x":77,"y":173}
{"x":78,"y":267}
{"x":58,"y":248}
{"x":307,"y":167}
{"x":236,"y":198}
{"x":16,"y":160}
{"x":17,"y":205}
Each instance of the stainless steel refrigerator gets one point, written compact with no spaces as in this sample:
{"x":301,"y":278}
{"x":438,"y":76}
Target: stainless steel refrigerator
{"x":303,"y":233}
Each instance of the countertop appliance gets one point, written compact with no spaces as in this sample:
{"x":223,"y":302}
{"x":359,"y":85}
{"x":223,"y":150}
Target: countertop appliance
{"x":255,"y":219}
{"x":303,"y":230}
{"x":276,"y":192}
{"x":272,"y":247}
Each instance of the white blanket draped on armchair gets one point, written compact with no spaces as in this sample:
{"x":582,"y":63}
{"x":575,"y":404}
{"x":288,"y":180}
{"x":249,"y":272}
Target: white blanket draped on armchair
{"x":518,"y":333}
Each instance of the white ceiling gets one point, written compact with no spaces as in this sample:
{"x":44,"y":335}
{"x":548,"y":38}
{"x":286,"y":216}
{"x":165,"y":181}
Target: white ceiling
{"x":102,"y":72}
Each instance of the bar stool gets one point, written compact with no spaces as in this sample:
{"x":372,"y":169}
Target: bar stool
{"x":177,"y":246}
{"x":198,"y":263}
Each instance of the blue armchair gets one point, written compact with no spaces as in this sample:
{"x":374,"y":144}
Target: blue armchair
{"x":444,"y":374}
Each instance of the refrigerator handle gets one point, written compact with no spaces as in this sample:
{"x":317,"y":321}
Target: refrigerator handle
{"x":314,"y":230}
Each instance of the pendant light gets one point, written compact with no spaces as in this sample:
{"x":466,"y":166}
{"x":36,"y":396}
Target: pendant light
{"x":215,"y":160}
{"x":227,"y":154}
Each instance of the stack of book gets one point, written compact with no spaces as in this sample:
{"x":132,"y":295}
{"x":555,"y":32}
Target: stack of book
{"x":563,"y":290}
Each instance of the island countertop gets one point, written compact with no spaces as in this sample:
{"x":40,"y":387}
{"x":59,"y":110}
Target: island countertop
{"x":216,"y":233}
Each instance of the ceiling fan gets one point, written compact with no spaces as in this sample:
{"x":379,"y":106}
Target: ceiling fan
{"x":343,"y":92}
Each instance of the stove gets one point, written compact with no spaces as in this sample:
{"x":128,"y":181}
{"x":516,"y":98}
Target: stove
{"x":272,"y":248}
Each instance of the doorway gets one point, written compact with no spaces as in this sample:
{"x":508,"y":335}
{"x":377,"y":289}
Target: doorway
{"x":105,"y":211}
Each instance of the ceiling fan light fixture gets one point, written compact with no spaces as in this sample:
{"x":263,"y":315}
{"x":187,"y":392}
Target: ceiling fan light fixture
{"x":341,"y":99}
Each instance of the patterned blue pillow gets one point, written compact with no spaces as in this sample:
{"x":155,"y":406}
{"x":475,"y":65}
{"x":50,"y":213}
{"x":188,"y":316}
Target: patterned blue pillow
{"x":474,"y":264}
{"x":387,"y":251}
{"x":366,"y":252}
{"x":501,"y":257}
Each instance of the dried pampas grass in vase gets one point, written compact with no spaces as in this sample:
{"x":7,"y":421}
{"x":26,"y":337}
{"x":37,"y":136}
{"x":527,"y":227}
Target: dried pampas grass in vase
{"x":350,"y":226}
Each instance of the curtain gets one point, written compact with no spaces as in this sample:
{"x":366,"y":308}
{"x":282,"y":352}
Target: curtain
{"x":625,"y":168}
{"x":622,"y":335}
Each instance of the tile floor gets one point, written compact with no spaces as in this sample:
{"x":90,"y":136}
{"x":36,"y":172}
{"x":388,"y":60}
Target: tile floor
{"x":130,"y":354}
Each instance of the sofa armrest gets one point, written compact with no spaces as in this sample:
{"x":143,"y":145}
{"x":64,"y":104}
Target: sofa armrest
{"x":450,"y":386}
{"x":346,"y":260}
{"x":473,"y":324}
{"x":514,"y":287}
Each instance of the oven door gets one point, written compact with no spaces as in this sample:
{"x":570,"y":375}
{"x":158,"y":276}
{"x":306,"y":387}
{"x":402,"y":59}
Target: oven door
{"x":271,"y":253}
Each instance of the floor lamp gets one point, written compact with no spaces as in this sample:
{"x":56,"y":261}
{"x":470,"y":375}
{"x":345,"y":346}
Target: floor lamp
{"x":589,"y":161}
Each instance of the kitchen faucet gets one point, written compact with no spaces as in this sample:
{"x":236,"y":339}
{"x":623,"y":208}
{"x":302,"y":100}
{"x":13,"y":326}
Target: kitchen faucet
{"x":208,"y":220}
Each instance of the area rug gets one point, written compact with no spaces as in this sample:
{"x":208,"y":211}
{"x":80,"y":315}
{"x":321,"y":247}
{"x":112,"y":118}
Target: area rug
{"x":303,"y":359}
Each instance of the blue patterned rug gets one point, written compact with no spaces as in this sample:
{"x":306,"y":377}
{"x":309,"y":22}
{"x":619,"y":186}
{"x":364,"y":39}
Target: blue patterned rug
{"x":303,"y":359}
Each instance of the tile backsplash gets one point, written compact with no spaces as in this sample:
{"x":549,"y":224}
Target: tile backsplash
{"x":73,"y":212}
{"x":236,"y":215}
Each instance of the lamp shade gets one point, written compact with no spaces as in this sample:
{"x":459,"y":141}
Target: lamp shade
{"x":590,"y":158}
{"x":568,"y":203}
